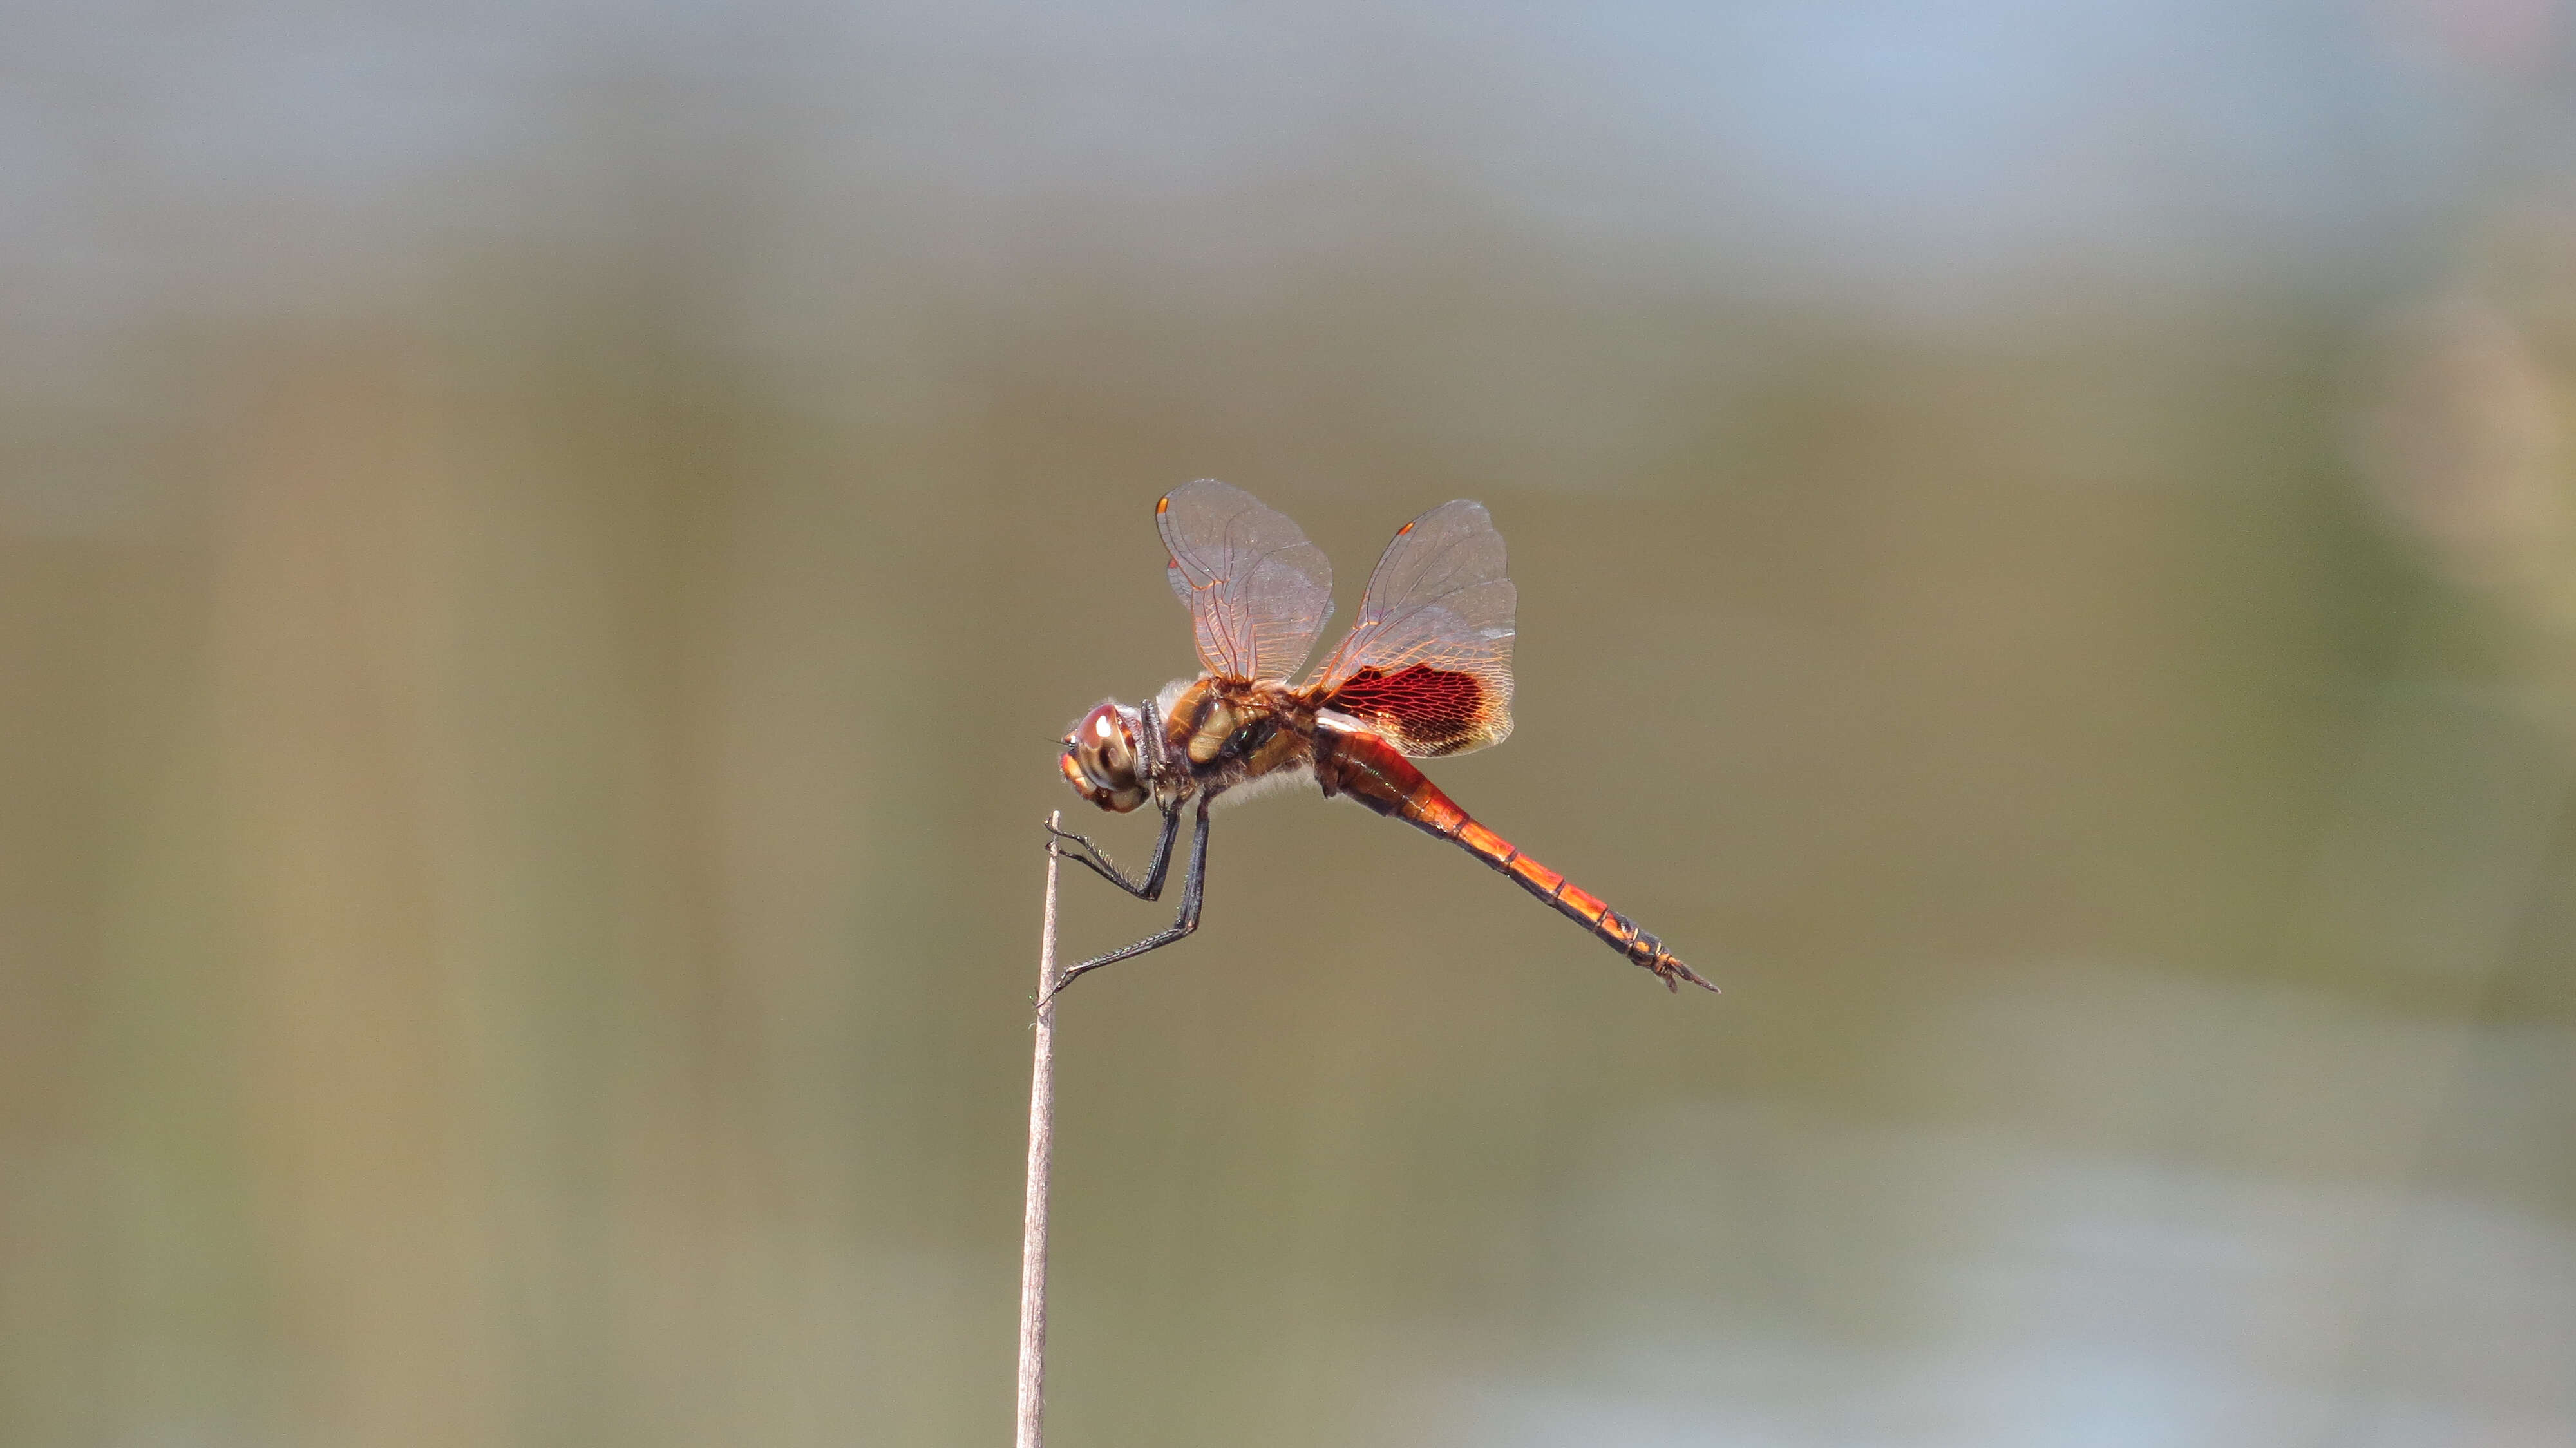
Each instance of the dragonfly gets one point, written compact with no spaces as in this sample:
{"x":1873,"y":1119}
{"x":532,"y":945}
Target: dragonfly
{"x":1424,"y":673}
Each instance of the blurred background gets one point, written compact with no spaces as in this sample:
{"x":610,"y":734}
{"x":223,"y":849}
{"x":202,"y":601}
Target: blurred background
{"x":543,"y":550}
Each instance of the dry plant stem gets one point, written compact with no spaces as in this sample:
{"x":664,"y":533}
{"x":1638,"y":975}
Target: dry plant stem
{"x":1033,"y":1236}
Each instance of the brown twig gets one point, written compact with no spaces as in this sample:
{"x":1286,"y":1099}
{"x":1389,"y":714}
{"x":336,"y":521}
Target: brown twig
{"x":1033,"y":1236}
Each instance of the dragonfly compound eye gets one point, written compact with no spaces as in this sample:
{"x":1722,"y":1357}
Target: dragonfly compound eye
{"x":1100,"y":759}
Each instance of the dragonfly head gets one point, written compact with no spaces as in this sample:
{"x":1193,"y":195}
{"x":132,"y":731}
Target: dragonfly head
{"x":1100,"y":759}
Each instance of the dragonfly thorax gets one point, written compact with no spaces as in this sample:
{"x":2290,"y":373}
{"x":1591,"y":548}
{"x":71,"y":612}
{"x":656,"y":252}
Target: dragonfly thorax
{"x":1221,"y":732}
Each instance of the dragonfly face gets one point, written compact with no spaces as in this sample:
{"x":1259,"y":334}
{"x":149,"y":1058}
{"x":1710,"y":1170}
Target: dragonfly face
{"x":1100,"y":758}
{"x":1425,"y":671}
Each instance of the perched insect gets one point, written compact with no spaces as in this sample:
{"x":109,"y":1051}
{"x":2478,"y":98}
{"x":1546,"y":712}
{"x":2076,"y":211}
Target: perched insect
{"x":1425,"y":672}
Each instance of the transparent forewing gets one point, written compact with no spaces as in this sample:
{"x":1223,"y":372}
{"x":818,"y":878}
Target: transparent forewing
{"x":1256,"y":589}
{"x":1428,"y":663}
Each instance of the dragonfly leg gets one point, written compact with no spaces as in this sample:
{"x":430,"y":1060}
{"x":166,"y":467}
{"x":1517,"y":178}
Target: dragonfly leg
{"x":1193,"y":889}
{"x":1092,"y":858}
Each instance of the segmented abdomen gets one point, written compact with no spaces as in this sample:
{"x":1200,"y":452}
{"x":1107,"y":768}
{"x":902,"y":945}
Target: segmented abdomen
{"x":1365,"y":767}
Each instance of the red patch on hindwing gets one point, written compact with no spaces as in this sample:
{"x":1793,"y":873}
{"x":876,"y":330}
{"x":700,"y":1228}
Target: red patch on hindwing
{"x":1425,"y":707}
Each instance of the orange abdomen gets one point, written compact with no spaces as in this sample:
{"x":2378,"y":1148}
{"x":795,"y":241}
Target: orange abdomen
{"x":1359,"y":764}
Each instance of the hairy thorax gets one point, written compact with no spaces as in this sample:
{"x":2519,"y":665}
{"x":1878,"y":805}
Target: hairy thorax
{"x":1220,"y":733}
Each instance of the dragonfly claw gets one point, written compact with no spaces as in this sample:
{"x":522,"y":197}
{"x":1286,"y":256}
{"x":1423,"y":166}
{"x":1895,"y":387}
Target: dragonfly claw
{"x":1674,"y":973}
